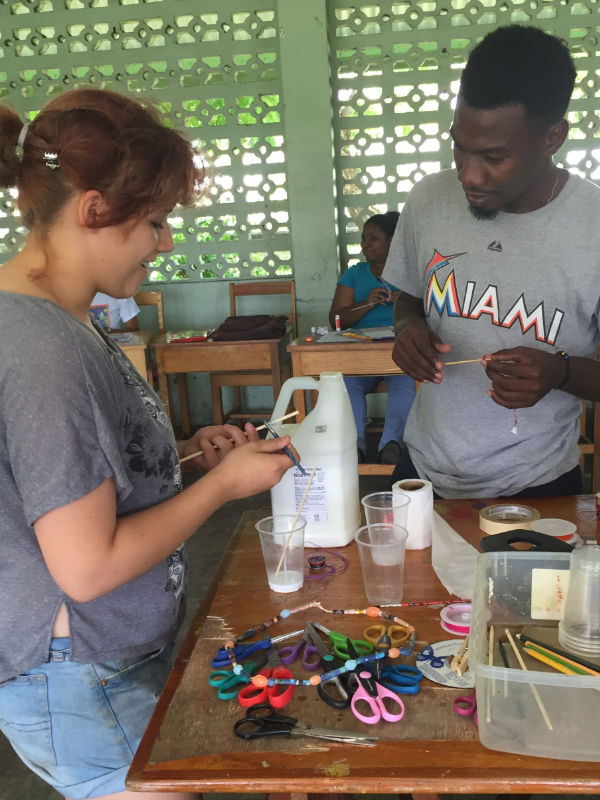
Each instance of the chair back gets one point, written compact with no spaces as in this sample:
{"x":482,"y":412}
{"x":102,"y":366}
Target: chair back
{"x":258,"y":288}
{"x":153,"y":298}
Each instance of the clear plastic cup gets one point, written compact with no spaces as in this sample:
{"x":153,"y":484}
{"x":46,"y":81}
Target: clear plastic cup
{"x":381,"y":548}
{"x":385,"y":507}
{"x":579,"y":628}
{"x":282,"y":543}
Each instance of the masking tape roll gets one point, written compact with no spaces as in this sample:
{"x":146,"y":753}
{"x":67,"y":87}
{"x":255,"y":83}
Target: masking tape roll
{"x":506,"y":517}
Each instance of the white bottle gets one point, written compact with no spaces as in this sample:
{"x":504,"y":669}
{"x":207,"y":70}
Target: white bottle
{"x":326,"y":442}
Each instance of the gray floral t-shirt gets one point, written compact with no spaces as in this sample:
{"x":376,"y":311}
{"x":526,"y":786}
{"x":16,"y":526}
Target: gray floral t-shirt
{"x":74,"y":412}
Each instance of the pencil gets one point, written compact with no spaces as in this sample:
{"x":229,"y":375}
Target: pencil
{"x":591,"y":669}
{"x":568,"y":662}
{"x":550,"y":662}
{"x":260,"y":428}
{"x":357,"y":336}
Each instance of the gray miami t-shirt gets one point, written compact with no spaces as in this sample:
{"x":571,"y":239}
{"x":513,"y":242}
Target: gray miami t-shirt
{"x":529,"y":280}
{"x":74,"y":412}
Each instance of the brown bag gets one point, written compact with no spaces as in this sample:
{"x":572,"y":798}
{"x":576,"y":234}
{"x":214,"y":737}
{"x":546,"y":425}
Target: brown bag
{"x":253,"y":326}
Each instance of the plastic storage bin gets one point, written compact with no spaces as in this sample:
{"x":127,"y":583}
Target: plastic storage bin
{"x":509,"y":716}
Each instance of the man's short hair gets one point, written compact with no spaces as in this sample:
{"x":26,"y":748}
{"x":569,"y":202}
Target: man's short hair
{"x":520,"y":65}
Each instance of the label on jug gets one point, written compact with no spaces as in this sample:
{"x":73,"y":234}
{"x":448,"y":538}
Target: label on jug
{"x":315,"y":505}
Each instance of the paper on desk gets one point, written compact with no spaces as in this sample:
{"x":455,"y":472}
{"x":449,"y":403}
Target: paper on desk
{"x":452,"y":558}
{"x":381,"y":332}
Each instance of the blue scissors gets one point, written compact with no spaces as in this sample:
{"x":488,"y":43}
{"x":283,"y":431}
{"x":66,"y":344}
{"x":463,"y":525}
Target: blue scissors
{"x":228,"y":683}
{"x":427,"y":654}
{"x":290,"y":653}
{"x":244,"y":651}
{"x":401,"y":678}
{"x":374,"y":694}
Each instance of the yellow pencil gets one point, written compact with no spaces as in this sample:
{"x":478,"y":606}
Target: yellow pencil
{"x":554,"y":664}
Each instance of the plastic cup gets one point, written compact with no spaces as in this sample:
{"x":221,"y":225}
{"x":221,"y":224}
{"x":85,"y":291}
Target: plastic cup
{"x":579,"y":628}
{"x":381,"y":548}
{"x":282,"y":543}
{"x":385,"y":507}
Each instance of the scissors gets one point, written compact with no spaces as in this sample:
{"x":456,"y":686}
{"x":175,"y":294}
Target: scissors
{"x":383,"y":637}
{"x":466,"y":705}
{"x":427,"y":654}
{"x":290,"y":653}
{"x":328,"y":662}
{"x":262,"y":721}
{"x":244,"y":651}
{"x":374,"y":694}
{"x":401,"y":678}
{"x":277,"y":695}
{"x":228,"y":683}
{"x":339,"y":643}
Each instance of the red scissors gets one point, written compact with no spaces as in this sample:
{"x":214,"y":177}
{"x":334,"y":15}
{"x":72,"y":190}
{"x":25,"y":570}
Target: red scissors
{"x":278,"y":695}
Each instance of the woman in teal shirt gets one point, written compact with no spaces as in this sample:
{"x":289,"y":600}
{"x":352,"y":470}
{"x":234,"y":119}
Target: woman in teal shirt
{"x":363,"y":300}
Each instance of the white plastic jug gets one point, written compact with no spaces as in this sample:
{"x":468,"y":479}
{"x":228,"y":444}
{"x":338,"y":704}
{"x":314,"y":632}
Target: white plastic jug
{"x":326,"y":441}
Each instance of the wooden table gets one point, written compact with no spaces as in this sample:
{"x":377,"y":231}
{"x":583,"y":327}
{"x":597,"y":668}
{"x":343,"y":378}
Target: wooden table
{"x":136,"y":350}
{"x":181,"y":358}
{"x":189,"y":745}
{"x":350,"y":357}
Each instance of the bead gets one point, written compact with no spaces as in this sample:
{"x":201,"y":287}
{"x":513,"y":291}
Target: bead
{"x":229,"y":645}
{"x":238,"y":669}
{"x":260,"y":681}
{"x":350,"y":665}
{"x":393,"y":652}
{"x":314,"y":680}
{"x":285,"y":613}
{"x":372,"y":611}
{"x":271,"y":682}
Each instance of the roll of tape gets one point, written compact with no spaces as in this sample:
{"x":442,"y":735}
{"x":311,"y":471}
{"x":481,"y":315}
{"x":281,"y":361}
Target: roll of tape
{"x":506,"y":517}
{"x":456,"y":618}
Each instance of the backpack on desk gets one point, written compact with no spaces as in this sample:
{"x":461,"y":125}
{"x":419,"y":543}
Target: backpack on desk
{"x":253,"y":326}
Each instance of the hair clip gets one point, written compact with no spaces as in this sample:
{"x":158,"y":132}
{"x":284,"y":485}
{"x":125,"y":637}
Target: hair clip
{"x":51,"y":160}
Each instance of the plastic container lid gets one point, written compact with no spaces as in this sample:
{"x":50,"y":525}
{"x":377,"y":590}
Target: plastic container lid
{"x":560,"y":528}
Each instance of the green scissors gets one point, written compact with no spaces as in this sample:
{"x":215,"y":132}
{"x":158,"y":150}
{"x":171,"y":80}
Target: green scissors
{"x":228,"y":683}
{"x":339,"y":643}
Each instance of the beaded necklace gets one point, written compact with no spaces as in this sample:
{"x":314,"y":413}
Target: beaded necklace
{"x":351,"y":664}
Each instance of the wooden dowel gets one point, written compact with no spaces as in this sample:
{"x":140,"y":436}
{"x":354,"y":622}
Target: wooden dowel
{"x":465,"y":361}
{"x":491,"y":686}
{"x":260,"y":428}
{"x":533,"y":688}
{"x":295,"y":522}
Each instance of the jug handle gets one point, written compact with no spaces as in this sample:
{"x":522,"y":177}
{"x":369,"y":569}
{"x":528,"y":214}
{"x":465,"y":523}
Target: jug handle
{"x":290,"y":386}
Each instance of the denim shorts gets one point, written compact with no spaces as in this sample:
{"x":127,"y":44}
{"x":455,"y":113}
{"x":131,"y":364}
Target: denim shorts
{"x":78,"y":725}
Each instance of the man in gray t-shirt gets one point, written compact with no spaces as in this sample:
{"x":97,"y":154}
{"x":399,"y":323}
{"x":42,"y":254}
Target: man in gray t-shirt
{"x":498,"y":260}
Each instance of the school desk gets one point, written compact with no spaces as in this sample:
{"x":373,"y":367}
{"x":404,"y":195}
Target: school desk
{"x":136,"y":350}
{"x":351,"y":357}
{"x":189,"y":744}
{"x":181,"y":358}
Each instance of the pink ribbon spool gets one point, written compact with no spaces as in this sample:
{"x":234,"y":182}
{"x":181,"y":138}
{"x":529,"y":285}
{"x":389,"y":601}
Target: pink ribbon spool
{"x":456,"y":618}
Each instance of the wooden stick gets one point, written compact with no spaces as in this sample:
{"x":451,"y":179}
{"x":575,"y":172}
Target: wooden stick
{"x":534,"y":690}
{"x":295,"y":522}
{"x":260,"y":428}
{"x":491,"y":687}
{"x":364,"y":305}
{"x":465,"y":361}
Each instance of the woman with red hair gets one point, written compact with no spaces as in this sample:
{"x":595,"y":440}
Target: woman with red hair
{"x":94,"y":514}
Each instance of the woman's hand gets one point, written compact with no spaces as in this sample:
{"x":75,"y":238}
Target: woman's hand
{"x":215,"y":441}
{"x":378,"y":296}
{"x":254,"y":468}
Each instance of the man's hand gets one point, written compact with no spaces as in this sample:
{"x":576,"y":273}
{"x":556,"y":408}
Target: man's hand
{"x":521,"y":376}
{"x":417,"y":352}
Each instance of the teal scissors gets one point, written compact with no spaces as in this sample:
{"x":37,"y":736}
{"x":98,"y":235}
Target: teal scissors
{"x":339,"y":643}
{"x":228,"y":683}
{"x":401,"y":678}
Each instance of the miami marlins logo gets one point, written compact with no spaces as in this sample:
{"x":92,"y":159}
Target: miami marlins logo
{"x":437,"y":261}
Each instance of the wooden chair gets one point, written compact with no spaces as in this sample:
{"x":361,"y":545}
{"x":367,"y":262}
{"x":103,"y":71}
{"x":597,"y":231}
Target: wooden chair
{"x":589,"y":440}
{"x":250,"y":378}
{"x":152,"y":298}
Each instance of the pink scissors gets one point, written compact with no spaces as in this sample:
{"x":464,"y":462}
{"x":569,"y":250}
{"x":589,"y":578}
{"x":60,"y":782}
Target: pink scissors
{"x":374,"y":694}
{"x":466,"y":705}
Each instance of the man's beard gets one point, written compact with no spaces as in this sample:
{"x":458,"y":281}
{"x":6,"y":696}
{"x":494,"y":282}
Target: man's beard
{"x":483,"y":213}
